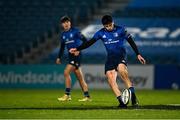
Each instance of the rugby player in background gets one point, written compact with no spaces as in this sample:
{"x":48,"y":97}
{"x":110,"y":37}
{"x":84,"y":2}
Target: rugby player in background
{"x":71,"y":37}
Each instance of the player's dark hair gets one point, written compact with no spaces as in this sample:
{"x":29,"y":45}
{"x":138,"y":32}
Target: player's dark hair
{"x":106,"y":19}
{"x":64,"y":19}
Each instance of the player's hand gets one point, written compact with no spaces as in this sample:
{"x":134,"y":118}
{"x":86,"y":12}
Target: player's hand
{"x":58,"y":61}
{"x":76,"y":53}
{"x":73,"y":50}
{"x":141,"y":59}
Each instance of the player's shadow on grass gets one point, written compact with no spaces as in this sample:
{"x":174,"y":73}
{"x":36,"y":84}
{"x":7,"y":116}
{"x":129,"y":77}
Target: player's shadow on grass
{"x":158,"y":107}
{"x":153,"y":107}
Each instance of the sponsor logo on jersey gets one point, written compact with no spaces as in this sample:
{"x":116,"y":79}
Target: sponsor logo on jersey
{"x":69,"y":41}
{"x":110,"y":41}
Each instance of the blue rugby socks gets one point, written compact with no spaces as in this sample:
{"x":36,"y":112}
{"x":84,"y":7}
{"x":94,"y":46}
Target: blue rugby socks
{"x":132,"y":89}
{"x":67,"y":91}
{"x":86,"y":94}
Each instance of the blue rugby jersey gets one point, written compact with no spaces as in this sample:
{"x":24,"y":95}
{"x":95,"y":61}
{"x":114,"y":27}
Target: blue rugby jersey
{"x":71,"y":38}
{"x":113,"y":40}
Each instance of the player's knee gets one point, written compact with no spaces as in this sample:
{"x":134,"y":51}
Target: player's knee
{"x":77,"y":73}
{"x":66,"y":73}
{"x":122,"y":72}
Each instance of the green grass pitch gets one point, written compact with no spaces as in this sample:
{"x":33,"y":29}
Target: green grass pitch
{"x":157,"y":104}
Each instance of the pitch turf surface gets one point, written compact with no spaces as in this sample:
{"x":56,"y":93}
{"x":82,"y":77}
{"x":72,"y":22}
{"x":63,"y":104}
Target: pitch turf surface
{"x":44,"y":104}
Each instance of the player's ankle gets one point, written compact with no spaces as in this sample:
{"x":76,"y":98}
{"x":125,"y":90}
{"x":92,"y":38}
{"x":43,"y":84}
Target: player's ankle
{"x":132,"y":89}
{"x":119,"y":98}
{"x":68,"y":91}
{"x":86,"y":94}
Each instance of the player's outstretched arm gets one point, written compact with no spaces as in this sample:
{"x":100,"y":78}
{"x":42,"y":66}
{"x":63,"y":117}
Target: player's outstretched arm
{"x":86,"y":44}
{"x":134,"y":47}
{"x":83,"y":46}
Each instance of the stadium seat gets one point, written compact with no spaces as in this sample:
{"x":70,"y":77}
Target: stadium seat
{"x":23,"y":21}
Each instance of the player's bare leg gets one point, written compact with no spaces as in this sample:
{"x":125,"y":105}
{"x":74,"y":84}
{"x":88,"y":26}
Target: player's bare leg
{"x":69,"y":68}
{"x":83,"y":84}
{"x":80,"y":77}
{"x":112,"y":75}
{"x":122,"y":69}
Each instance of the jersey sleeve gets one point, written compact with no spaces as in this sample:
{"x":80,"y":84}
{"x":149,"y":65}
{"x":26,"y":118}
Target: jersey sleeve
{"x":62,"y":47}
{"x":130,"y":40}
{"x":81,"y":36}
{"x":89,"y":42}
{"x":61,"y":40}
{"x":125,"y":33}
{"x":97,"y":36}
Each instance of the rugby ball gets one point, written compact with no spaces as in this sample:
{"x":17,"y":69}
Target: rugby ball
{"x":125,"y":96}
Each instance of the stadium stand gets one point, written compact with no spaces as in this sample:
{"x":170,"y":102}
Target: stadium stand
{"x":158,"y":39}
{"x":150,"y":8}
{"x":24,"y":23}
{"x":158,"y":14}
